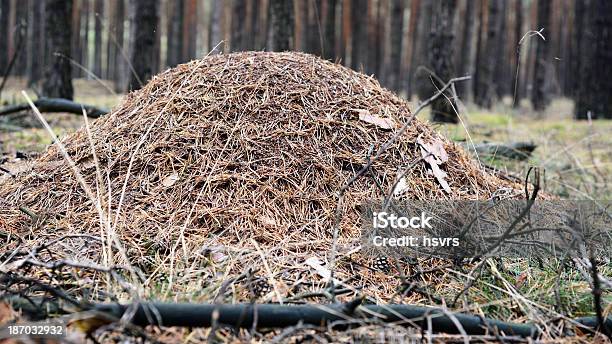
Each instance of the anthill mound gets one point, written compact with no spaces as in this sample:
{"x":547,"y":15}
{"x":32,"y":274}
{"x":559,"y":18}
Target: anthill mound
{"x":243,"y":152}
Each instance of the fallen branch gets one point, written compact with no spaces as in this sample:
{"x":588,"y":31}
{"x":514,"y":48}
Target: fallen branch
{"x":339,"y":316}
{"x":512,"y":150}
{"x":56,"y":105}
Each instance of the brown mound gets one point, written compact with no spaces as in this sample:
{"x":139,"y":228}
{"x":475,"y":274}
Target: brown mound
{"x":228,"y":151}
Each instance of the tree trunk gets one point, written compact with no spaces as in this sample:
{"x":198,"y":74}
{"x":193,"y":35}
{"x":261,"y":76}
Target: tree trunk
{"x":280,"y":26}
{"x":397,"y":25}
{"x":84,"y":33}
{"x":216,"y":25}
{"x":501,"y":72}
{"x":98,"y":17}
{"x":479,"y":55}
{"x":121,"y":69}
{"x":413,"y":33}
{"x":595,"y":83}
{"x":422,"y":81}
{"x":466,"y":60}
{"x":487,"y":88}
{"x":329,"y":31}
{"x":359,"y":41}
{"x":189,"y":30}
{"x":441,"y":58}
{"x":344,"y":48}
{"x":58,"y":71}
{"x":516,"y":61}
{"x":35,"y":42}
{"x":174,"y":52}
{"x":21,"y":21}
{"x":4,"y":32}
{"x":143,"y":25}
{"x":238,"y":27}
{"x":540,"y":96}
{"x":76,"y":35}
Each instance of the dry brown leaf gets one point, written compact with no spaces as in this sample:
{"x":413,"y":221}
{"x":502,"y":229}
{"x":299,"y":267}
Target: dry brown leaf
{"x":170,"y":180}
{"x":383,"y":123}
{"x":435,"y":155}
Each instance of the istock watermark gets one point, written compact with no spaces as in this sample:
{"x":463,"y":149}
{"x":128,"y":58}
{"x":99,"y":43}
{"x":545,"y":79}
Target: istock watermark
{"x":501,"y":228}
{"x":384,"y":220}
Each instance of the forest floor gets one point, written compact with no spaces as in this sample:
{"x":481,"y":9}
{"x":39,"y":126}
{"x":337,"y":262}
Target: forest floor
{"x":575,"y":155}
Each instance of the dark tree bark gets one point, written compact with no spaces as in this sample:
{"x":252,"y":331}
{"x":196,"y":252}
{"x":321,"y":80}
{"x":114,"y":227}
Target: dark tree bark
{"x":578,"y":45}
{"x":516,"y":61}
{"x":35,"y":42}
{"x":254,"y":33}
{"x":397,"y":25}
{"x":280,"y":26}
{"x":440,"y":56}
{"x":4,"y":31}
{"x":143,"y":26}
{"x":595,"y":85}
{"x":189,"y":30}
{"x":501,"y":71}
{"x":216,"y":20}
{"x":174,"y":52}
{"x":466,"y":66}
{"x":98,"y":17}
{"x":84,"y":58}
{"x":238,"y":28}
{"x":76,"y":35}
{"x":480,"y":43}
{"x":314,"y":34}
{"x":329,"y":30}
{"x":413,"y":33}
{"x":343,"y":47}
{"x":359,"y":41}
{"x":58,"y":31}
{"x":21,"y":21}
{"x":540,"y":95}
{"x":422,"y":81}
{"x":111,"y":48}
{"x":486,"y":90}
{"x":119,"y":56}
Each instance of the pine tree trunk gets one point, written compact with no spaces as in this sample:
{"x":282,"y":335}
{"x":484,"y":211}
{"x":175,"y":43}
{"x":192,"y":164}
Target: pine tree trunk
{"x":4,"y":31}
{"x":595,"y":83}
{"x":143,"y":25}
{"x":121,"y":68}
{"x":280,"y":26}
{"x":413,"y":33}
{"x":189,"y":30}
{"x":238,"y":27}
{"x":516,"y":65}
{"x":58,"y":71}
{"x":540,"y":96}
{"x":422,"y":82}
{"x":21,"y":20}
{"x":487,"y":87}
{"x":397,"y":25}
{"x":440,"y":58}
{"x":35,"y":42}
{"x":465,"y":60}
{"x":174,"y":52}
{"x":76,"y":35}
{"x":216,"y":25}
{"x":501,"y":72}
{"x":84,"y":58}
{"x":359,"y":41}
{"x":329,"y":32}
{"x":98,"y":17}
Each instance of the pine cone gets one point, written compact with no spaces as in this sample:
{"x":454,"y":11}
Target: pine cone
{"x":381,"y":263}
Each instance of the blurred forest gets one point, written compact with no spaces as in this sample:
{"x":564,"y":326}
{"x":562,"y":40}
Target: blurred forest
{"x":532,"y":50}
